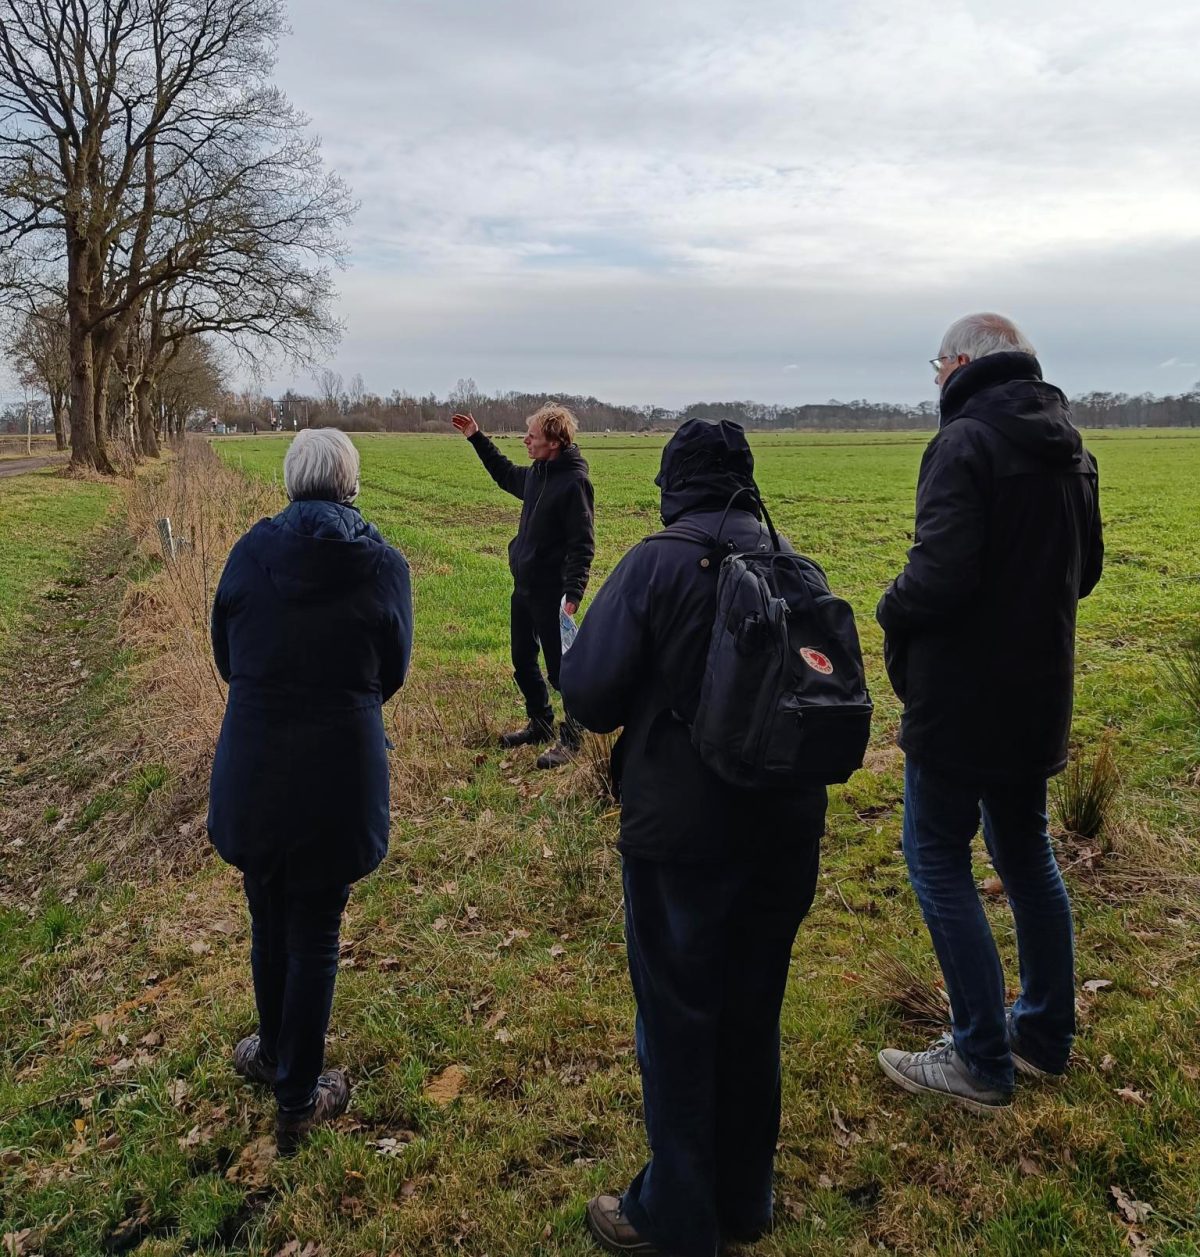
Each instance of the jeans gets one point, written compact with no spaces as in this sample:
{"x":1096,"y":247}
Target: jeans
{"x":294,"y":959}
{"x":941,"y":816}
{"x":533,"y":623}
{"x":709,"y":945}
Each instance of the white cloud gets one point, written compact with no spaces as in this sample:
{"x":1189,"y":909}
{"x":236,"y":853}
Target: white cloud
{"x":581,"y":167}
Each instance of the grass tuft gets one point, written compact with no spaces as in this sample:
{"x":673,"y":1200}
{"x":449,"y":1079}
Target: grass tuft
{"x":1182,"y":667}
{"x":916,"y":998}
{"x":1085,"y":792}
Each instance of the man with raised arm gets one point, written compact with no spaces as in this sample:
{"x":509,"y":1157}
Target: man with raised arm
{"x":979,"y":644}
{"x":550,"y":559}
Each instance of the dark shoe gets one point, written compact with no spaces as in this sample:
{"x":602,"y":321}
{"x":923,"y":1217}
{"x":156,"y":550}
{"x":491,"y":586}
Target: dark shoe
{"x":570,"y":738}
{"x":1022,"y":1062}
{"x":534,"y":734}
{"x":248,"y":1061}
{"x":558,"y":755}
{"x":941,"y":1071}
{"x":737,"y":1237}
{"x":333,"y":1097}
{"x":613,"y":1231}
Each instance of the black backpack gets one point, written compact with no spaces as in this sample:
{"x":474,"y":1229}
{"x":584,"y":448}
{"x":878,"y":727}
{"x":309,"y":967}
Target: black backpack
{"x":784,"y":700}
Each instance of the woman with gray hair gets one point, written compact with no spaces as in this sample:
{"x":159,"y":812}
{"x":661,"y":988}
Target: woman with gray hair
{"x":312,"y":629}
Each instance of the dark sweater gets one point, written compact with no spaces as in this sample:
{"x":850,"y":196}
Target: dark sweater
{"x":639,"y":661}
{"x":980,"y":625}
{"x":555,"y":542}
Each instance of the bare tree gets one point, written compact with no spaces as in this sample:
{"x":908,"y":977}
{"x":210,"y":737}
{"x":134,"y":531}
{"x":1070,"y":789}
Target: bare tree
{"x":38,"y":348}
{"x":329,"y":392}
{"x":134,"y":136}
{"x":189,"y":385}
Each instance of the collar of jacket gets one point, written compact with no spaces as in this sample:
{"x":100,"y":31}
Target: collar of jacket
{"x":568,"y":457}
{"x":984,"y":373}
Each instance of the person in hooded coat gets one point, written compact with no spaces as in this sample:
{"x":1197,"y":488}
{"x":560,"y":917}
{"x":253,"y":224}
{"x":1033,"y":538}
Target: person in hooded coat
{"x":980,"y":647}
{"x":312,"y":629}
{"x":550,"y":559}
{"x":716,"y":878}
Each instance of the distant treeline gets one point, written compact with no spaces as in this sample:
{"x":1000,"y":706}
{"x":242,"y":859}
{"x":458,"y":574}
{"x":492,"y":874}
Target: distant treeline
{"x":356,"y":410}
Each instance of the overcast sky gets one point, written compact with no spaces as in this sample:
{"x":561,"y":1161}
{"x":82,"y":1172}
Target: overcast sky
{"x":772,"y":199}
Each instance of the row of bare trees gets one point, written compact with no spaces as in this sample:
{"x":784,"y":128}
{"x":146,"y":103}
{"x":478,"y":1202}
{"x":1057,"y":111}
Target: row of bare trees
{"x":158,"y":196}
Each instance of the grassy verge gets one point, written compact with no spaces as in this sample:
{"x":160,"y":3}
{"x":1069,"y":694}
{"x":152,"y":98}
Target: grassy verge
{"x":482,"y":1007}
{"x":43,"y":518}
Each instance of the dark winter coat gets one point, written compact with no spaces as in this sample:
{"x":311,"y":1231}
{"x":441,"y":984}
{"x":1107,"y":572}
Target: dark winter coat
{"x":312,"y":628}
{"x":638,"y":662}
{"x":980,"y":625}
{"x":555,"y":542}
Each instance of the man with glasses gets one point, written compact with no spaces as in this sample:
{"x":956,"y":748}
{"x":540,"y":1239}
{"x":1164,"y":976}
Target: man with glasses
{"x":980,"y":647}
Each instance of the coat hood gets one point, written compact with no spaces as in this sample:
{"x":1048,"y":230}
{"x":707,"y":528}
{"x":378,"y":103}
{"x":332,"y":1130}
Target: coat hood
{"x":569,"y":459}
{"x":1007,"y":392}
{"x":703,"y":465}
{"x":316,"y":549}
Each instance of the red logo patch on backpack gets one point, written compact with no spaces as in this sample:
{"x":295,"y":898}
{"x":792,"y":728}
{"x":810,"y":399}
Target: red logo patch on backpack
{"x":816,"y":661}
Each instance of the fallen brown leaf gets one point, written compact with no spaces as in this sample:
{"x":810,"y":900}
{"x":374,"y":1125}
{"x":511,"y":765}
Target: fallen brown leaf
{"x":446,"y":1086}
{"x":1133,"y":1211}
{"x":992,"y":886}
{"x":253,"y":1166}
{"x":17,"y":1243}
{"x":1130,"y":1096}
{"x":1097,"y":984}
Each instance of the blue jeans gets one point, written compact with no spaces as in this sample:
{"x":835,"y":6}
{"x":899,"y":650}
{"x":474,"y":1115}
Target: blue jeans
{"x":941,"y":817}
{"x":294,"y":958}
{"x":709,"y":946}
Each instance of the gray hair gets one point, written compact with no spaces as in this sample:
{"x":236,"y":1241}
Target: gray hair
{"x":321,"y":463}
{"x":978,"y":335}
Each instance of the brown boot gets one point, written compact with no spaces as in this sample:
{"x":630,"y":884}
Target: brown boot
{"x":613,"y":1231}
{"x":248,"y":1061}
{"x":533,"y":734}
{"x":333,"y":1096}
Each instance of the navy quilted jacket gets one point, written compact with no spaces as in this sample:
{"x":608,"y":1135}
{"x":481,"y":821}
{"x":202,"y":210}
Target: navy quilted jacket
{"x":312,"y":628}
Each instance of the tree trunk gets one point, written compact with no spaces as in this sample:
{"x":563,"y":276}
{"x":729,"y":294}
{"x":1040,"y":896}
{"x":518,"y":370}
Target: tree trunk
{"x":58,"y":403}
{"x":87,"y":443}
{"x":147,"y":428}
{"x":88,"y":450}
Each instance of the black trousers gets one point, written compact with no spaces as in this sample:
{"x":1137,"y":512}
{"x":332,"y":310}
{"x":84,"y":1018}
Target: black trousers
{"x":533,"y":625}
{"x":294,"y":959}
{"x":709,"y":946}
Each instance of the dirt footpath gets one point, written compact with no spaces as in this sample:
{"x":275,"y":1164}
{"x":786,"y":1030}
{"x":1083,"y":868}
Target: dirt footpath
{"x":17,"y":466}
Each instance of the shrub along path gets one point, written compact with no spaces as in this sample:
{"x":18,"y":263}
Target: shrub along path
{"x":483,"y":1009}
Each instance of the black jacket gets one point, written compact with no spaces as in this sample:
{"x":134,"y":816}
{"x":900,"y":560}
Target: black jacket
{"x":639,"y":662}
{"x":311,"y":627}
{"x":980,"y":626}
{"x":555,"y":542}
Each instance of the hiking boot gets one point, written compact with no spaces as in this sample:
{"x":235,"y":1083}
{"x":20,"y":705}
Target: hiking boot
{"x":333,"y":1097}
{"x":941,"y":1071}
{"x":1022,"y":1062}
{"x":533,"y":734}
{"x":613,"y":1231}
{"x":248,"y":1061}
{"x":570,"y":738}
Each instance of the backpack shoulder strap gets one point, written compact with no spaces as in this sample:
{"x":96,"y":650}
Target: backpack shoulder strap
{"x":714,"y":550}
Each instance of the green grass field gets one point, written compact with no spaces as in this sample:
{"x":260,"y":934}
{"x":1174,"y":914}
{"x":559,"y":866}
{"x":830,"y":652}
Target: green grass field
{"x":42,"y":519}
{"x":489,"y":945}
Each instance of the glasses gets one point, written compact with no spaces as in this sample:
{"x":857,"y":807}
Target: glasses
{"x":936,"y":363}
